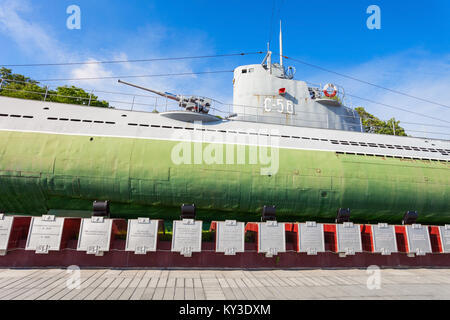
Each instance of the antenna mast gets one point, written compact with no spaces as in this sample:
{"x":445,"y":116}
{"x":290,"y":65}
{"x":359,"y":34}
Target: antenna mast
{"x":281,"y":46}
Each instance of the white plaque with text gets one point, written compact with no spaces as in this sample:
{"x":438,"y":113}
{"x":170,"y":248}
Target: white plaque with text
{"x":272,"y":238}
{"x":95,"y":235}
{"x":311,"y":238}
{"x":45,"y":234}
{"x":444,"y":232}
{"x":349,"y":238}
{"x":142,"y":235}
{"x":418,"y":239}
{"x":5,"y":231}
{"x":384,"y":239}
{"x":187,"y":237}
{"x":230,"y":237}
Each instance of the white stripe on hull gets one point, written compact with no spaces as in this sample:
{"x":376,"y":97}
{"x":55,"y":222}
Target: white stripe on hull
{"x":68,"y":120}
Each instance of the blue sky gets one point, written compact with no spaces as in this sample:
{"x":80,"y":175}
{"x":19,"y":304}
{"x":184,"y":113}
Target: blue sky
{"x":410,"y":53}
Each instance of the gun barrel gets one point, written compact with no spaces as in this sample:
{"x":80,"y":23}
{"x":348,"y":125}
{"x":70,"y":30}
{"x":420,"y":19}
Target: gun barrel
{"x":150,"y":90}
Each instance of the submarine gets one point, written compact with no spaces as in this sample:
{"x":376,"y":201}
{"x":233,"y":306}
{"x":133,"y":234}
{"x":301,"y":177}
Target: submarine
{"x":284,"y":143}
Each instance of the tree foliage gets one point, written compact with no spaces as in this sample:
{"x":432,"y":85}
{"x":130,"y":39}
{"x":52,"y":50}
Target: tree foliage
{"x":19,"y":86}
{"x":373,"y":124}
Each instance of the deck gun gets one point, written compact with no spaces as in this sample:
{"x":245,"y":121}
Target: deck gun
{"x":192,"y":103}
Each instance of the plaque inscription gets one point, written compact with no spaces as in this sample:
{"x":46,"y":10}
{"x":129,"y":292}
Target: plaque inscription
{"x":418,"y":239}
{"x":95,"y":235}
{"x":384,"y":240}
{"x":5,"y":232}
{"x":311,"y":238}
{"x":142,"y":235}
{"x":444,"y":232}
{"x":349,"y":238}
{"x":230,"y":237}
{"x":45,"y":234}
{"x":187,"y":237}
{"x":272,"y":238}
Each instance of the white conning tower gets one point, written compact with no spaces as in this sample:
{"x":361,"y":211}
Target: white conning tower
{"x":267,"y":93}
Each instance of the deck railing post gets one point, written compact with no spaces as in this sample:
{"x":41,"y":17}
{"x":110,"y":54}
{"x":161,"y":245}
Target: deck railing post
{"x":90,"y":98}
{"x":46,"y":92}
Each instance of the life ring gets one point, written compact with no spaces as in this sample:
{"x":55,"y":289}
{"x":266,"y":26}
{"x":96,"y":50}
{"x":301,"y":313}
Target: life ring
{"x":330,"y":95}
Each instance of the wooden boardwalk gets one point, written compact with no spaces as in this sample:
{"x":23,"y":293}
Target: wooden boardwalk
{"x":43,"y":284}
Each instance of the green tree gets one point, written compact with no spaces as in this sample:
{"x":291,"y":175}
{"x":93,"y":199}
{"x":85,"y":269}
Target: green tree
{"x":9,"y":77}
{"x":19,"y":86}
{"x":74,"y":95}
{"x":373,"y":124}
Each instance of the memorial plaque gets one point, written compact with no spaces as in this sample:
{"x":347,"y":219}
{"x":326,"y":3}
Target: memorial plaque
{"x":383,"y":238}
{"x":272,"y":238}
{"x":311,"y":238}
{"x":444,"y":232}
{"x":230,"y":237}
{"x":187,"y":237}
{"x":95,"y":235}
{"x":45,"y":234}
{"x":348,"y":238}
{"x":142,"y":235}
{"x":5,"y":231}
{"x":418,"y":239}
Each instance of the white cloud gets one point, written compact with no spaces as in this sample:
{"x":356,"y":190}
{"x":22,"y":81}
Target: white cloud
{"x":91,"y":70}
{"x":157,"y":41}
{"x":27,"y":34}
{"x":150,"y":41}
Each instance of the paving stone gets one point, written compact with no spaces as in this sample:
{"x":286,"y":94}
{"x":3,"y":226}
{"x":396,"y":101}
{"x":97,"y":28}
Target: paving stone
{"x":225,"y":284}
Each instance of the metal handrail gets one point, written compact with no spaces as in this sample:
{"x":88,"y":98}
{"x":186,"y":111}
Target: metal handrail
{"x":217,"y":102}
{"x":215,"y":109}
{"x":169,"y":106}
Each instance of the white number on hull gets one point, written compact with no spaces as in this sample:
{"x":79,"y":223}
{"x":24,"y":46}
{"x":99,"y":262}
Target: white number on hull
{"x":281,"y":106}
{"x":290,"y":107}
{"x":267,"y":105}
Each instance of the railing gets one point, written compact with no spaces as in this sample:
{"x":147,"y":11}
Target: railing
{"x":148,"y":103}
{"x":317,"y":89}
